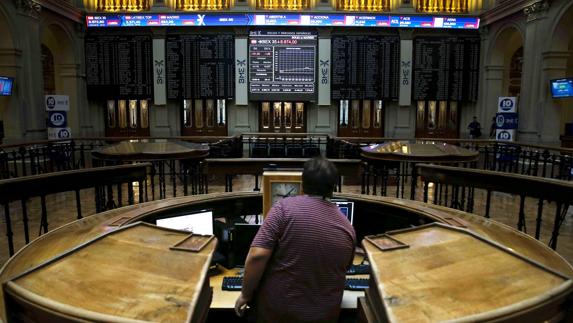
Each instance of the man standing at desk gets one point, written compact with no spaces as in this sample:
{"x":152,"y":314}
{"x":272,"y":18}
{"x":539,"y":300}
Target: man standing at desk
{"x":296,"y":267}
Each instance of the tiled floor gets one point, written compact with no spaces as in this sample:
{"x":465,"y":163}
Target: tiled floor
{"x":505,"y":209}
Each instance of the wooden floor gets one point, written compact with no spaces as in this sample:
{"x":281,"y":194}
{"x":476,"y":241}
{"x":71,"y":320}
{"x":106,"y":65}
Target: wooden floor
{"x":62,"y":210}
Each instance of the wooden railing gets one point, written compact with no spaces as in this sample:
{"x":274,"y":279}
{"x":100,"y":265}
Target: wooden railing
{"x":229,"y":157}
{"x":518,"y":158}
{"x":47,"y":156}
{"x":229,"y":167}
{"x":101,"y":179}
{"x":455,"y":187}
{"x":284,"y":145}
{"x":55,"y":155}
{"x":170,"y":177}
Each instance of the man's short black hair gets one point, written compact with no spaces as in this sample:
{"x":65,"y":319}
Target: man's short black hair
{"x":319,"y":177}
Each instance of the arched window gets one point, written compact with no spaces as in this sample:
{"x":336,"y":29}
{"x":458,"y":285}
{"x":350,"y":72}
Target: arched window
{"x":48,"y":71}
{"x":515,"y":68}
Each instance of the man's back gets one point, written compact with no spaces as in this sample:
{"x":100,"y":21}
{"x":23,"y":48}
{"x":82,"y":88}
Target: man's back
{"x":313,"y":244}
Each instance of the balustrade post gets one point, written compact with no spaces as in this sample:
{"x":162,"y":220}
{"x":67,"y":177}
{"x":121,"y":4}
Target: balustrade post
{"x":9,"y":233}
{"x":44,"y":218}
{"x":130,"y":193}
{"x":25,"y":220}
{"x":487,"y":203}
{"x":78,"y":204}
{"x":521,"y":225}
{"x":556,"y":226}
{"x":22,"y":152}
{"x":414,"y":182}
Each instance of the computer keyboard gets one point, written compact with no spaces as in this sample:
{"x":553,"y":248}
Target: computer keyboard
{"x":234,"y":283}
{"x":356,"y":283}
{"x":358,"y":270}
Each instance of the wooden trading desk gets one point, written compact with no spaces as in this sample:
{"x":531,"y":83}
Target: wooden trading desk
{"x":111,"y":279}
{"x":223,"y":299}
{"x":64,"y":239}
{"x":437,"y":272}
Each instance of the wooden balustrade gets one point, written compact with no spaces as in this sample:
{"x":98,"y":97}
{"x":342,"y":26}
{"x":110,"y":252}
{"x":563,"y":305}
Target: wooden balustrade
{"x":455,"y":187}
{"x":101,"y":179}
{"x":229,"y":167}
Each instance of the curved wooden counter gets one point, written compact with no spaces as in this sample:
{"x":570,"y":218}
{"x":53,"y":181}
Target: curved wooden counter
{"x":154,"y":150}
{"x":438,"y":273}
{"x":81,"y":231}
{"x":140,"y":272}
{"x":385,"y":156}
{"x":419,"y":152}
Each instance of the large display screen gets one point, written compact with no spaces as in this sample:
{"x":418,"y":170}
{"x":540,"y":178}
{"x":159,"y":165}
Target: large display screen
{"x":446,"y":68}
{"x":562,"y":88}
{"x":119,"y":66}
{"x":280,"y":19}
{"x":365,"y":67}
{"x":200,"y":66}
{"x":6,"y":84}
{"x":282,"y":64}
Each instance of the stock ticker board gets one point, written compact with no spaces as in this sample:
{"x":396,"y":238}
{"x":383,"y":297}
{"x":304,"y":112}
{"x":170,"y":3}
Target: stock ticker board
{"x":200,"y":66}
{"x":119,"y":66}
{"x":446,"y":68}
{"x":316,"y":20}
{"x":365,"y":67}
{"x":282,"y":64}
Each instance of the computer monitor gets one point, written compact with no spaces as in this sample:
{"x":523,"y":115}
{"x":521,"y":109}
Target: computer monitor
{"x":347,"y":208}
{"x":243,"y":236}
{"x":199,"y":222}
{"x":562,"y":88}
{"x":6,"y":84}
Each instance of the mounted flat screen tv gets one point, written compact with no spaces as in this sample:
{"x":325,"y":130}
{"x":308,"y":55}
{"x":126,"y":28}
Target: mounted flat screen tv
{"x":6,"y":84}
{"x":562,"y":88}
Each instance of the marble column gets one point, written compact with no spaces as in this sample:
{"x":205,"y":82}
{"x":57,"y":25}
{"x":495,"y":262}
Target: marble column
{"x":530,"y":106}
{"x":10,"y":112}
{"x":87,"y":119}
{"x":70,"y":80}
{"x":492,"y":90}
{"x":554,"y":66}
{"x":30,"y":77}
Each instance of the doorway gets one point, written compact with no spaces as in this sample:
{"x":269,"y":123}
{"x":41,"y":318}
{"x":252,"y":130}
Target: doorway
{"x":437,"y":119}
{"x":361,"y":118}
{"x":282,"y":117}
{"x":127,"y":118}
{"x":204,"y":117}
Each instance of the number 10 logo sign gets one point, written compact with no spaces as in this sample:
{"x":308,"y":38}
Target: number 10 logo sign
{"x":57,"y":107}
{"x":506,"y":119}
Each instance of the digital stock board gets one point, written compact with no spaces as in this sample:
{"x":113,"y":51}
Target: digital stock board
{"x":315,"y":20}
{"x":119,"y":66}
{"x":282,"y":64}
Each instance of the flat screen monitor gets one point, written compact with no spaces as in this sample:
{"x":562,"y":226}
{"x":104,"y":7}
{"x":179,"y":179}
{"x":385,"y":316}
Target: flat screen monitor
{"x":199,"y":222}
{"x":243,"y":236}
{"x":6,"y":84}
{"x":347,"y":208}
{"x":562,"y":88}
